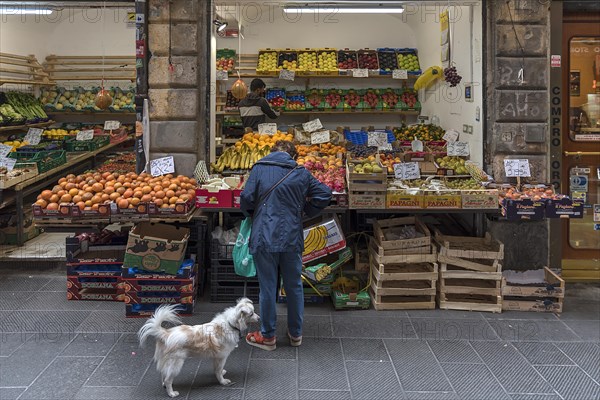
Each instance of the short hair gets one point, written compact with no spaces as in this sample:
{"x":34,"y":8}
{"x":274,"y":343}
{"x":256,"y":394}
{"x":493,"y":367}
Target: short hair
{"x":257,"y":84}
{"x":286,"y":146}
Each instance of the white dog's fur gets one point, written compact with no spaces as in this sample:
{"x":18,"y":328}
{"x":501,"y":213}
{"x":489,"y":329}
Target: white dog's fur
{"x":215,"y":339}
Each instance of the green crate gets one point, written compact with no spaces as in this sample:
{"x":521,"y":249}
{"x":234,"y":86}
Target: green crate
{"x":225,"y":53}
{"x":343,"y":301}
{"x":45,"y":160}
{"x":73,"y":145}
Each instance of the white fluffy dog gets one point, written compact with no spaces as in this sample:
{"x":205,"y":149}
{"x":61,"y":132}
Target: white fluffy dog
{"x":215,"y":339}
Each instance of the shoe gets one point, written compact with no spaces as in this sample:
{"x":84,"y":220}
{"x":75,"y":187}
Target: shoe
{"x":295,"y":341}
{"x":256,"y":339}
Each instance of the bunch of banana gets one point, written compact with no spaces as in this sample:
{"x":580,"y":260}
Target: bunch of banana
{"x":428,"y":77}
{"x":242,"y":157}
{"x":315,"y":240}
{"x":322,"y":273}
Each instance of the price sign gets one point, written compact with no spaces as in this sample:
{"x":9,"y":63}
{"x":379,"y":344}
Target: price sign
{"x":267,"y":129}
{"x":460,"y":149}
{"x":287,"y":75}
{"x":319,"y":137}
{"x":162,"y":166}
{"x":517,"y":168}
{"x":4,"y":150}
{"x":111,"y":125}
{"x":399,"y":74}
{"x":377,"y":139}
{"x":450,"y":136}
{"x":408,"y":170}
{"x":34,"y":136}
{"x":88,"y":134}
{"x":222,"y":75}
{"x":312,"y":126}
{"x":9,"y":163}
{"x":388,"y":146}
{"x":360,"y":73}
{"x":416,"y":145}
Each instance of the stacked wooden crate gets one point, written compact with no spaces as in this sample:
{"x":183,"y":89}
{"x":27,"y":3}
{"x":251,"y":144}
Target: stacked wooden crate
{"x":470,"y":273}
{"x":404,"y":271}
{"x":536,"y":290}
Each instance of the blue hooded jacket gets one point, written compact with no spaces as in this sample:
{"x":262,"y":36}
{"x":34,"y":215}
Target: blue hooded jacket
{"x":277,"y":227}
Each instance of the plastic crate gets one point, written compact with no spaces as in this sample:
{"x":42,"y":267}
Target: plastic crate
{"x":362,"y":137}
{"x":229,"y":292}
{"x":220,"y":251}
{"x":74,"y":145}
{"x":400,"y":53}
{"x":387,"y":53}
{"x":295,"y":101}
{"x":120,"y":94}
{"x":276,"y":97}
{"x":45,"y":160}
{"x":223,"y":271}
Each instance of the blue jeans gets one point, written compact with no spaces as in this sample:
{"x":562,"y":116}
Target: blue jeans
{"x":290,"y":265}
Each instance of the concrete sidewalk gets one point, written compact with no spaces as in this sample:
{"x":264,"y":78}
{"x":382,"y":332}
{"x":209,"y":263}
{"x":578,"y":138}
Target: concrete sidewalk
{"x":51,"y":348}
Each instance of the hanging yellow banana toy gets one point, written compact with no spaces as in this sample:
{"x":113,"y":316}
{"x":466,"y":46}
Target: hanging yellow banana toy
{"x":428,"y":77}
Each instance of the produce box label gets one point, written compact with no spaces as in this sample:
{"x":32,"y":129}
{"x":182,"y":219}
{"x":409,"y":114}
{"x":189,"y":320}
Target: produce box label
{"x":374,"y":201}
{"x":515,"y":210}
{"x":140,"y":209}
{"x":186,"y":271}
{"x":444,"y":201}
{"x":403,"y":200}
{"x":219,"y":199}
{"x":156,"y":297}
{"x":157,"y":285}
{"x":64,"y":210}
{"x":322,"y":239}
{"x":179,"y":208}
{"x":77,"y":282}
{"x":237,"y":197}
{"x":564,"y":208}
{"x":94,"y":294}
{"x":479,"y":200}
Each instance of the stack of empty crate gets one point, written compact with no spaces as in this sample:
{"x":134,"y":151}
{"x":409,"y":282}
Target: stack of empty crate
{"x":225,"y":285}
{"x":539,"y":290}
{"x":470,"y":273}
{"x":404,"y":271}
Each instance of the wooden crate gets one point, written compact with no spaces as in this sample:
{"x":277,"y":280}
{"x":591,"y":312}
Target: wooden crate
{"x":402,"y":302}
{"x":470,"y":302}
{"x":366,"y":200}
{"x":382,"y":256}
{"x":481,"y":265}
{"x":470,"y":247}
{"x":544,"y":297}
{"x":383,"y":227}
{"x":460,"y":289}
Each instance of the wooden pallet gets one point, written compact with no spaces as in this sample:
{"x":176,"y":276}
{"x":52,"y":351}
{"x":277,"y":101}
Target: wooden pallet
{"x":90,"y":68}
{"x":22,"y":70}
{"x":385,"y":227}
{"x":470,"y":247}
{"x":544,"y":297}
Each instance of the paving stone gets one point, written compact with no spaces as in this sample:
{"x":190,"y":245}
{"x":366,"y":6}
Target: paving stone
{"x":431,"y":396}
{"x":22,"y":283}
{"x":57,"y":301}
{"x":110,"y":321}
{"x":416,"y":366}
{"x":9,"y":342}
{"x":55,"y":285}
{"x":321,"y":365}
{"x":314,"y":326}
{"x":533,"y":331}
{"x":528,"y":316}
{"x":570,"y":382}
{"x":11,"y":393}
{"x":113,"y":393}
{"x":454,"y":351}
{"x":151,"y":383}
{"x":323,"y":395}
{"x":284,"y":372}
{"x":283,"y":352}
{"x":535,"y":397}
{"x":14,"y":300}
{"x":586,"y":330}
{"x":46,"y":322}
{"x":575,"y":308}
{"x":370,"y":380}
{"x":235,"y":366}
{"x":444,"y":314}
{"x":447,"y":329}
{"x":542,"y":353}
{"x":586,"y":355}
{"x":372,"y":327}
{"x":91,"y":344}
{"x":215,"y":393}
{"x":472,"y":382}
{"x":364,"y":350}
{"x":62,"y":379}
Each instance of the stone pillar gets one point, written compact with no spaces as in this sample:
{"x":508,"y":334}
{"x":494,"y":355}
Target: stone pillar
{"x":178,"y":98}
{"x":518,"y":113}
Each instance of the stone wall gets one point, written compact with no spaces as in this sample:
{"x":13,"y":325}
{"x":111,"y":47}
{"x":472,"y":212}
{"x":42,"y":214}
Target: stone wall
{"x":518,"y":113}
{"x":178,"y":106}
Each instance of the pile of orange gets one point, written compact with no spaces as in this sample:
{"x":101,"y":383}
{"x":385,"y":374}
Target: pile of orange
{"x":256,"y":140}
{"x":325,"y":148}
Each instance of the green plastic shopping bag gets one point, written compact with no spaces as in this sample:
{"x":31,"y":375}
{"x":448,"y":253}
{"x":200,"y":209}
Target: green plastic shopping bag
{"x":242,"y":259}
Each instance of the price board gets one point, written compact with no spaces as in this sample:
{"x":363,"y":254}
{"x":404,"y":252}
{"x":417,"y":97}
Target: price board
{"x":222,"y":75}
{"x":312,"y":126}
{"x":287,"y":75}
{"x":87,"y":134}
{"x":320,"y":137}
{"x":360,"y":73}
{"x":33,"y":136}
{"x":267,"y":128}
{"x":162,"y":166}
{"x":460,"y":149}
{"x":377,"y":139}
{"x":399,"y":74}
{"x":4,"y":150}
{"x":450,"y":136}
{"x":408,"y":170}
{"x":9,"y":163}
{"x":517,"y":168}
{"x":111,"y":125}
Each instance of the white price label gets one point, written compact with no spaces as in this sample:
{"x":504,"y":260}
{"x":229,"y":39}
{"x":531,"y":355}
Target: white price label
{"x":416,"y":145}
{"x":222,"y":75}
{"x":267,"y":129}
{"x":388,"y":146}
{"x":9,"y":163}
{"x":34,"y":136}
{"x":408,"y":170}
{"x":111,"y":125}
{"x":88,"y":134}
{"x":460,"y":149}
{"x":399,"y":74}
{"x":287,"y":75}
{"x":360,"y":73}
{"x":4,"y":150}
{"x":162,"y":166}
{"x":312,"y":126}
{"x":377,"y":139}
{"x":517,"y":168}
{"x":451,"y":136}
{"x":320,"y":137}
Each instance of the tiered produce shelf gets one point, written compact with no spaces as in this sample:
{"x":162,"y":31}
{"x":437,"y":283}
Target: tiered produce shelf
{"x":90,"y":68}
{"x":22,"y":70}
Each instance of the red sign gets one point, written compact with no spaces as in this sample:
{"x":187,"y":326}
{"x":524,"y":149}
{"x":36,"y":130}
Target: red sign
{"x":555,"y":61}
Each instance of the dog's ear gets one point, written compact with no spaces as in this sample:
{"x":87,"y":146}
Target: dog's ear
{"x":244,"y":300}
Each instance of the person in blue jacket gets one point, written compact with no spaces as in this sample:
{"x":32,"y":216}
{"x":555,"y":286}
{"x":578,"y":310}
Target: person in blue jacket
{"x":277,"y":238}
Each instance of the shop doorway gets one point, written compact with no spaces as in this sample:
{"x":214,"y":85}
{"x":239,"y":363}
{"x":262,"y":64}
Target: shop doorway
{"x":581,"y":145}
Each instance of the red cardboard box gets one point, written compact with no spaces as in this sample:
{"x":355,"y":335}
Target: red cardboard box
{"x":96,"y":282}
{"x":237,"y":195}
{"x":158,"y":285}
{"x":94,"y":294}
{"x":219,"y":199}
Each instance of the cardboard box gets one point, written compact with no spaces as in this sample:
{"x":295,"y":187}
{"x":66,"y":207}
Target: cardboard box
{"x":179,"y":208}
{"x":564,"y":208}
{"x":147,"y":310}
{"x":97,"y":270}
{"x":450,"y":200}
{"x":515,"y":210}
{"x":400,"y":199}
{"x":64,"y":211}
{"x":93,"y":282}
{"x":480,"y":199}
{"x":206,"y":198}
{"x":85,"y":252}
{"x":8,"y":234}
{"x":237,"y":195}
{"x":157,"y":297}
{"x":128,"y":285}
{"x":156,"y":247}
{"x":343,"y":257}
{"x":187,"y":270}
{"x":322,"y":239}
{"x":94,"y":294}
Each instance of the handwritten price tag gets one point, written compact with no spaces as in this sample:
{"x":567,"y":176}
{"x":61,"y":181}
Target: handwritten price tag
{"x":111,"y":125}
{"x":34,"y":136}
{"x":399,"y":74}
{"x":460,"y":149}
{"x":9,"y":163}
{"x":377,"y":139}
{"x":267,"y":129}
{"x":360,"y":73}
{"x":409,"y":170}
{"x":320,"y":137}
{"x":416,"y":145}
{"x":517,"y":168}
{"x":162,"y":166}
{"x":388,"y":146}
{"x":450,"y":136}
{"x":4,"y":150}
{"x":287,"y":75}
{"x":222,"y":75}
{"x":312,"y":126}
{"x":88,"y":134}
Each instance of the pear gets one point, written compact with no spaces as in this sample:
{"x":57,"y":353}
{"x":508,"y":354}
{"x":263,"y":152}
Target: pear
{"x":368,"y":168}
{"x":377,"y":168}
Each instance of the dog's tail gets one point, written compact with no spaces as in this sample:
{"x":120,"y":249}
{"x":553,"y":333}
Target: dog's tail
{"x":153,"y":327}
